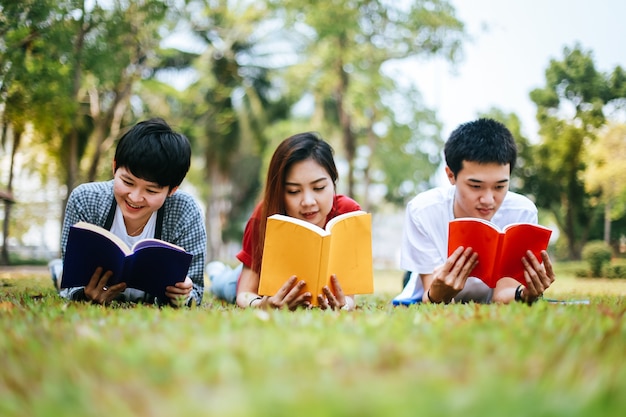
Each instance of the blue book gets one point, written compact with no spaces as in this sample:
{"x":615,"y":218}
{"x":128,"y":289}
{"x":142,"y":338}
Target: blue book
{"x":150,"y":265}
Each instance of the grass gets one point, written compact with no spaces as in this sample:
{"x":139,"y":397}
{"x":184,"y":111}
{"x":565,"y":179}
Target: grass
{"x":61,"y":358}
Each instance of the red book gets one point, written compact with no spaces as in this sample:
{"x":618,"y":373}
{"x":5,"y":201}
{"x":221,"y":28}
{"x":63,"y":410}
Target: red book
{"x":500,"y":252}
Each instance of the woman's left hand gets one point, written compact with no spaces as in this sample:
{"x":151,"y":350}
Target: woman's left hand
{"x":334,"y":300}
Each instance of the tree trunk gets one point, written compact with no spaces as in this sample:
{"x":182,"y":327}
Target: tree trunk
{"x":349,"y":141}
{"x":371,"y":145}
{"x":4,"y":256}
{"x":217,"y":208}
{"x":607,"y":223}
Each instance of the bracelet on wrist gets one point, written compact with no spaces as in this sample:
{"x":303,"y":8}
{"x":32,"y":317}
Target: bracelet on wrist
{"x":518,"y":293}
{"x":520,"y":298}
{"x":430,"y":299}
{"x":349,"y":305}
{"x":254,"y":299}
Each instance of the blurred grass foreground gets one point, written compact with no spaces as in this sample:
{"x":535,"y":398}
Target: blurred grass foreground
{"x":75,"y":359}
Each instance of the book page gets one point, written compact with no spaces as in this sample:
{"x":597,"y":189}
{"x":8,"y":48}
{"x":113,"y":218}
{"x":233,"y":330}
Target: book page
{"x":482,"y":237}
{"x":151,"y":243}
{"x":152,"y":268}
{"x":341,"y":217}
{"x":290,"y":249}
{"x":106,"y":233}
{"x":86,"y":250}
{"x":520,"y":238}
{"x":303,"y":223}
{"x":351,"y":253}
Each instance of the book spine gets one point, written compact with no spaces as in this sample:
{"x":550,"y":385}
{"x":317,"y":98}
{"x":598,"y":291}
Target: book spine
{"x":323,"y":272}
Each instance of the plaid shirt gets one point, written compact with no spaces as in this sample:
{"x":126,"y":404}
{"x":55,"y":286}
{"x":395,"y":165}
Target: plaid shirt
{"x":183,"y":225}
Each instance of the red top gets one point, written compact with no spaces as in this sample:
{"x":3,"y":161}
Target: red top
{"x":341,"y":205}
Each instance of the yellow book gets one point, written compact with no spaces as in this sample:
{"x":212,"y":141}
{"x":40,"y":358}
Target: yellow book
{"x":296,"y":247}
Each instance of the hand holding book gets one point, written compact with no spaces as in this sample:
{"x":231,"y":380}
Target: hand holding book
{"x":97,"y":289}
{"x":296,"y":247}
{"x":500,"y":252}
{"x":151,"y":265}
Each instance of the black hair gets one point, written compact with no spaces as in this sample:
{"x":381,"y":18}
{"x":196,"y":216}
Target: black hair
{"x":152,"y":151}
{"x":483,"y":141}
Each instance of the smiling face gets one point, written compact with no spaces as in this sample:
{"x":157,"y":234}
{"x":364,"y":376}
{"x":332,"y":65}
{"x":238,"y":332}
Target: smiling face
{"x":137,"y":198}
{"x":309,"y":192}
{"x":480,"y":189}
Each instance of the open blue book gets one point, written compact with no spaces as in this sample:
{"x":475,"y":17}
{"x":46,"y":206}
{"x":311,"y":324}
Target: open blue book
{"x":150,"y":265}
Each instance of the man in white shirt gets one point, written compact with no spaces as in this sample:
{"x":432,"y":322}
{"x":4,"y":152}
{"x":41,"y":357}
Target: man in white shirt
{"x":480,"y":156}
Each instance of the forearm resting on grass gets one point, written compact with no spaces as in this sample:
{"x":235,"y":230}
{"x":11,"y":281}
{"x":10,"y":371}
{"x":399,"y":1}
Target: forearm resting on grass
{"x":289,"y":296}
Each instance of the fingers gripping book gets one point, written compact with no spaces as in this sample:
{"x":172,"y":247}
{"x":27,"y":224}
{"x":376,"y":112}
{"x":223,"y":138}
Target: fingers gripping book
{"x":296,"y":247}
{"x":500,"y":252}
{"x":150,"y":265}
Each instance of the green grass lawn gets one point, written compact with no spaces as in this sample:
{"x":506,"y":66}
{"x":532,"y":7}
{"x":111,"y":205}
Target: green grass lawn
{"x":74,"y":359}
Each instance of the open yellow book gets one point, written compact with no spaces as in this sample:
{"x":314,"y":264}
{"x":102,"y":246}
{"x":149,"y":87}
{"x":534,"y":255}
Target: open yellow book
{"x":296,"y":247}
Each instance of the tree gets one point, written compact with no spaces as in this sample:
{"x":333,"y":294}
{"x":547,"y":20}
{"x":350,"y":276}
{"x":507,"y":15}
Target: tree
{"x":28,"y":79}
{"x":112,"y":50}
{"x":570,"y":110}
{"x":605,"y":174}
{"x":346,"y":43}
{"x":229,"y":108}
{"x":524,"y":155}
{"x":69,"y":69}
{"x":404,"y":147}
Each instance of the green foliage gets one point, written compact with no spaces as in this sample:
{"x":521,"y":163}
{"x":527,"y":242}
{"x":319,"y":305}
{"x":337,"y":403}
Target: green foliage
{"x":63,"y":358}
{"x":366,"y":108}
{"x":597,"y":253}
{"x":574,"y":104}
{"x":82,"y":71}
{"x":524,"y":157}
{"x":582,"y":273}
{"x":604,"y":176}
{"x":615,"y":271}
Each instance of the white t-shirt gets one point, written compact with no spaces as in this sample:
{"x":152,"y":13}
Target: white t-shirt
{"x":118,"y":228}
{"x":425,"y":233}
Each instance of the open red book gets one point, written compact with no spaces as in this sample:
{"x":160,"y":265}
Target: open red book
{"x":500,"y":252}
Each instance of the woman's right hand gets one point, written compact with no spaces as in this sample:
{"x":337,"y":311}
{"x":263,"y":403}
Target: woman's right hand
{"x":97,"y":291}
{"x":289,"y":296}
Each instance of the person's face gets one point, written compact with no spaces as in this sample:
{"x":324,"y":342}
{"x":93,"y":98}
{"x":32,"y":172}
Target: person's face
{"x":309,"y":192}
{"x":480,"y":189}
{"x":136,"y":197}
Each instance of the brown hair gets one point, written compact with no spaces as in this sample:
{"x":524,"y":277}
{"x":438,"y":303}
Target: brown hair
{"x":296,"y":148}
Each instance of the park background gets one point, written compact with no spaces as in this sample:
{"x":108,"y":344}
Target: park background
{"x":385,"y":82}
{"x":385,"y":87}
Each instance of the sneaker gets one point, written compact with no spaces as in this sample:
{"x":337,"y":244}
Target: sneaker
{"x":56,"y":270}
{"x":412,"y":292}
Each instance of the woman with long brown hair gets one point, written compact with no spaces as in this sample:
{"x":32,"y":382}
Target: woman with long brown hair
{"x":301,"y":181}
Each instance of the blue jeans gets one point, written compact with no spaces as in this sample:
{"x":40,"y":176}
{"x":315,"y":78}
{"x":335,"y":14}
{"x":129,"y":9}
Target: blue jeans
{"x":224,"y":285}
